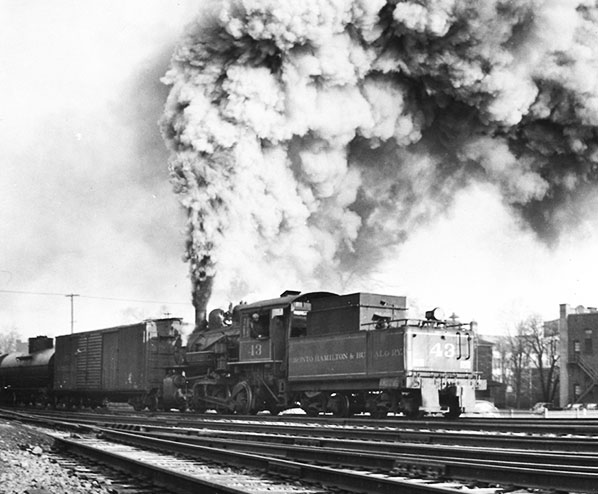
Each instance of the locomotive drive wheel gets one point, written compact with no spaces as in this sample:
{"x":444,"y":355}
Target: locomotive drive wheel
{"x":210,"y":397}
{"x":243,"y":399}
{"x":198,"y":404}
{"x":221,"y":396}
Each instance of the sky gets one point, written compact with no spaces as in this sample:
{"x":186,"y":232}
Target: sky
{"x":87,"y":208}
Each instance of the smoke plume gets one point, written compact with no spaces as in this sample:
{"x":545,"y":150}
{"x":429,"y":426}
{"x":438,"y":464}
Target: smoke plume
{"x":308,"y":137}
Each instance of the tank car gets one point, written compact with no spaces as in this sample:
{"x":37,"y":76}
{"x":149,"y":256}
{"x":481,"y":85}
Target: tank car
{"x":26,"y":378}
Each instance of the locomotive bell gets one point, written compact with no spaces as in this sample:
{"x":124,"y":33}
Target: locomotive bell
{"x":436,"y":314}
{"x":216,"y":319}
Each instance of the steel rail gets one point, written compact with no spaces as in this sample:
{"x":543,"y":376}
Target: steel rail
{"x":239,"y":429}
{"x":532,"y":424}
{"x":271,"y":444}
{"x":510,"y":441}
{"x":349,"y":480}
{"x":359,"y":482}
{"x":523,"y":469}
{"x":530,"y":474}
{"x":167,"y":478}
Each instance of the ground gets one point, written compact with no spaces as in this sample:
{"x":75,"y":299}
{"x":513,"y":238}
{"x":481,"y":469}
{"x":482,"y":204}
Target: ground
{"x":28,"y":466}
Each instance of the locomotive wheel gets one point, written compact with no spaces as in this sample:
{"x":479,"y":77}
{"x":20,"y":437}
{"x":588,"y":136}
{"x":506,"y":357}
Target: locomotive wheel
{"x":410,"y":407}
{"x":339,"y":405}
{"x":197,"y":403}
{"x":378,"y":405}
{"x":243,"y":399}
{"x":137,"y":405}
{"x":220,"y":394}
{"x":453,"y":412}
{"x":454,"y":408}
{"x":152,"y":403}
{"x":313,"y":403}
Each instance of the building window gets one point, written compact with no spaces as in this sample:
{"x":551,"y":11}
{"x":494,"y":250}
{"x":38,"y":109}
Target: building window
{"x":587,"y":342}
{"x":576,"y":346}
{"x":577,"y":390}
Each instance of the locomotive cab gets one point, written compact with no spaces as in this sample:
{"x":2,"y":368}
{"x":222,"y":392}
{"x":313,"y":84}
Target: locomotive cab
{"x":265,"y":329}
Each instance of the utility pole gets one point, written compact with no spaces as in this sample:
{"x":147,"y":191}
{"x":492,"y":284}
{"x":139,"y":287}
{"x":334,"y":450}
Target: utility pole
{"x":72,"y":296}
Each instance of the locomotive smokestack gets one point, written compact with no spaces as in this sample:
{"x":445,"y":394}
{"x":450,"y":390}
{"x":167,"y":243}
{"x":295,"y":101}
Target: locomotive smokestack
{"x":202,"y":290}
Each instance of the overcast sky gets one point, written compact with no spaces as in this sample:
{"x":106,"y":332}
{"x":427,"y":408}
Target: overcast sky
{"x":86,"y":206}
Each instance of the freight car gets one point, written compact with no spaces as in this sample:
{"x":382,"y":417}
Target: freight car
{"x":120,"y":364}
{"x":27,"y":377}
{"x":329,"y":353}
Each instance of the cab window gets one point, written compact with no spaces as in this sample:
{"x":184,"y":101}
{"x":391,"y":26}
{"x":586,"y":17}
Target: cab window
{"x":299,"y":319}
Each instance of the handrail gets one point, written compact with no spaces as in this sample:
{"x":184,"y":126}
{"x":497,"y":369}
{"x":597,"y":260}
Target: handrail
{"x":401,"y":323}
{"x":468,"y":346}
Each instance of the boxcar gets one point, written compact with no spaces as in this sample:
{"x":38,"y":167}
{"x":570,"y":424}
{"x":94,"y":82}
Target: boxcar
{"x":119,"y":364}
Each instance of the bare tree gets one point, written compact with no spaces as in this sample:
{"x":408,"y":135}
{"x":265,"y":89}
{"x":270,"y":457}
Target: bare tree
{"x":502,"y":348}
{"x":532,"y":347}
{"x":544,"y":355}
{"x":8,"y":340}
{"x":519,"y":358}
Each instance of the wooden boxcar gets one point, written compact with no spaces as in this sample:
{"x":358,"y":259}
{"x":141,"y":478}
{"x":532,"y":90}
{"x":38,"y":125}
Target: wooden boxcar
{"x":120,"y":364}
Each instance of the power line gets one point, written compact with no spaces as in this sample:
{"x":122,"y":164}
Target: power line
{"x":114,"y":299}
{"x":133,"y":300}
{"x":34,"y":293}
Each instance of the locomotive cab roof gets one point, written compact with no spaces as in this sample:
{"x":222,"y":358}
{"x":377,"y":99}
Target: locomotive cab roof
{"x":287,"y":298}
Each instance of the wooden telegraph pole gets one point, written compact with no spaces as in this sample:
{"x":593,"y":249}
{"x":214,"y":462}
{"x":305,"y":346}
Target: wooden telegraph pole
{"x":72,"y":297}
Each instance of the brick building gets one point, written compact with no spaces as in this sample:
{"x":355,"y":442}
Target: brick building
{"x":578,"y":334}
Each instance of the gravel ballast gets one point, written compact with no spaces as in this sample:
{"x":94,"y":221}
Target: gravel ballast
{"x":29,"y":466}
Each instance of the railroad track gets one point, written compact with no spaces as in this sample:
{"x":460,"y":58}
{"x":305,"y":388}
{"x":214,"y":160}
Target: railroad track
{"x":513,"y":425}
{"x":538,"y":470}
{"x":88,"y":471}
{"x":529,"y":439}
{"x":294,"y":454}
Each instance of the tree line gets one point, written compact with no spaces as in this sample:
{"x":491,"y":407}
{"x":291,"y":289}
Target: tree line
{"x":8,"y":340}
{"x":528,"y":363}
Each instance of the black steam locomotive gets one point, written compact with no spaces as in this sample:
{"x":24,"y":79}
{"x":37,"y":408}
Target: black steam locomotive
{"x":327,"y":353}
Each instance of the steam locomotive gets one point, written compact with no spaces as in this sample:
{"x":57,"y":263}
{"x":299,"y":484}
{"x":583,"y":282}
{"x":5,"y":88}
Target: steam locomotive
{"x":327,"y":353}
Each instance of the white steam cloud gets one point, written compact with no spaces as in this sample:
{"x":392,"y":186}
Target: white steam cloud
{"x":308,"y":137}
